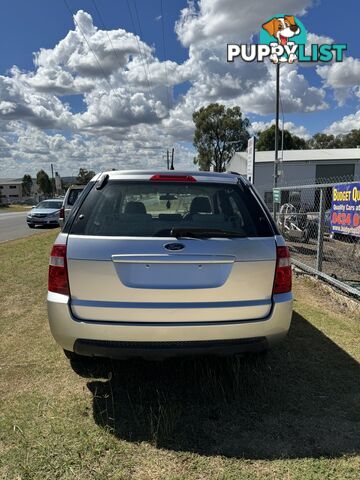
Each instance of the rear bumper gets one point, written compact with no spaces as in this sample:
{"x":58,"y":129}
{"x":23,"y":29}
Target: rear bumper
{"x":125,"y":339}
{"x":113,"y":349}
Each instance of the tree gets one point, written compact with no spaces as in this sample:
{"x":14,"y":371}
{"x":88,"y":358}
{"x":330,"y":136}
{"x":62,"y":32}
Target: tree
{"x":266,"y":140}
{"x":44,"y":182}
{"x":219,"y":132}
{"x":84,"y":176}
{"x":322,"y":140}
{"x":350,"y":140}
{"x":347,"y":140}
{"x":27,"y":185}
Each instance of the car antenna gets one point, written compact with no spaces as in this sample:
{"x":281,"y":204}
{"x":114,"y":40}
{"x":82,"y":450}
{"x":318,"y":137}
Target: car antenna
{"x":102,"y":181}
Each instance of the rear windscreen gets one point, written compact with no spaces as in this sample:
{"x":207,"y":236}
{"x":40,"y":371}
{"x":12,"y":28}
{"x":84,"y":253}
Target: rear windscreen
{"x":73,"y":196}
{"x":148,"y":209}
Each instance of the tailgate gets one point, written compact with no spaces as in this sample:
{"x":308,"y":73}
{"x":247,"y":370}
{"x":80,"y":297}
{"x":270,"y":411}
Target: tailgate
{"x":137,"y":280}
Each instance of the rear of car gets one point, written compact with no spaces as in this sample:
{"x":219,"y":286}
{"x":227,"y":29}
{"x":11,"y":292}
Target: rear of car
{"x":46,"y":213}
{"x":159,"y":263}
{"x":70,"y":199}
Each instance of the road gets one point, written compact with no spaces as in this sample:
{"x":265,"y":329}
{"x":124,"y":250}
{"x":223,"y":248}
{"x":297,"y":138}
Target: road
{"x":13,"y":225}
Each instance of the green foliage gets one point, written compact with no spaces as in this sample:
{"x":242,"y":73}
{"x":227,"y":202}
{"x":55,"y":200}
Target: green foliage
{"x":266,"y":140}
{"x":219,"y":132}
{"x":26,"y":185}
{"x":351,"y":139}
{"x":84,"y":176}
{"x":44,"y":182}
{"x":348,"y":140}
{"x":322,"y":140}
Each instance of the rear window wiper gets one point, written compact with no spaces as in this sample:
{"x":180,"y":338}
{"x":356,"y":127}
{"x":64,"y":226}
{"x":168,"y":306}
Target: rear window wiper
{"x":179,"y":232}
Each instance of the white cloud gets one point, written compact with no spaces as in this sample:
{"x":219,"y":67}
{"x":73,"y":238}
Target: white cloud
{"x":216,"y":20}
{"x":130,"y":116}
{"x":295,"y":92}
{"x":342,"y":77}
{"x":19,"y":101}
{"x":345,"y":125}
{"x":29,"y":149}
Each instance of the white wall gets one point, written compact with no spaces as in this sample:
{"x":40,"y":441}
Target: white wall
{"x":295,"y":173}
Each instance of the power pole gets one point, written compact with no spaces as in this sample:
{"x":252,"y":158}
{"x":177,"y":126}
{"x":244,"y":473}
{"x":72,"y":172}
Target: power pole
{"x":276,"y":159}
{"x":172,"y":160}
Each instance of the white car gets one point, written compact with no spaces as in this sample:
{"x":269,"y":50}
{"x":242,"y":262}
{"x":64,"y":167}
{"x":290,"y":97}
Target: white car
{"x":163,"y":264}
{"x":71,"y":196}
{"x":45,"y":213}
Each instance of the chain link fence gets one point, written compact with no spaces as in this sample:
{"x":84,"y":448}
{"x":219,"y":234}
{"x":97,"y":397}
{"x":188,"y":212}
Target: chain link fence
{"x":304,"y":217}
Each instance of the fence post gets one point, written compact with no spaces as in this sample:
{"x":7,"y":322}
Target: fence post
{"x":320,"y":243}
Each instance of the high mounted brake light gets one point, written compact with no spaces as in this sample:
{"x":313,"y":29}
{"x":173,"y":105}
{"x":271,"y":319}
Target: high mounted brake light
{"x":282,"y":281}
{"x":172,"y":178}
{"x":58,"y":275}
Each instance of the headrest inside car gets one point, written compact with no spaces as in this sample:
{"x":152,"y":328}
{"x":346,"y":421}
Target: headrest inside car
{"x":200,"y":205}
{"x":135,"y":208}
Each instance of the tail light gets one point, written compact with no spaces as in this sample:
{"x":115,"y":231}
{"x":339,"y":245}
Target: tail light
{"x":58,"y":275}
{"x":62,"y":213}
{"x":282,"y":282}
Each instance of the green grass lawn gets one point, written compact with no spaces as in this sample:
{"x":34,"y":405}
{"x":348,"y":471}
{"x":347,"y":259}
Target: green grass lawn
{"x":293,"y":415}
{"x":14,"y":208}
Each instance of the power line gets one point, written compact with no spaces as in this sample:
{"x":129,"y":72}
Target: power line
{"x":141,"y":36}
{"x":164,"y":52}
{"x":88,"y":44}
{"x":96,"y":57}
{"x":142,"y":55}
{"x":93,"y":52}
{"x":105,"y":29}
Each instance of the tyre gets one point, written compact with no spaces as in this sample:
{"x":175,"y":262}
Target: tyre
{"x":30,"y":225}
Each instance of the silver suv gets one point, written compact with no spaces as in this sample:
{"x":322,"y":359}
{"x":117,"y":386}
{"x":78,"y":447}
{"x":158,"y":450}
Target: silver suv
{"x":165,"y":264}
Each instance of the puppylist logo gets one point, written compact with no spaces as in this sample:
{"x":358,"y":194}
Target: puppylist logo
{"x":283,"y":40}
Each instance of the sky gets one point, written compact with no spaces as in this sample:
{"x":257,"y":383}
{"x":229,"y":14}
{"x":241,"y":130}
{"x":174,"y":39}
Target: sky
{"x":103,"y":84}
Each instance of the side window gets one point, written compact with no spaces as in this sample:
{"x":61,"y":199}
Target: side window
{"x":73,"y":195}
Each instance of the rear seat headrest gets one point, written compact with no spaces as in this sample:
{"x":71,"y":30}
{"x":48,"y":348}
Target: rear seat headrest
{"x":135,"y":207}
{"x":200,"y":205}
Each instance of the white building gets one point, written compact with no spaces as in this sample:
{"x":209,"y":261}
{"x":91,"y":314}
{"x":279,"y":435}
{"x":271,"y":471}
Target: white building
{"x":302,"y":167}
{"x":11,"y":190}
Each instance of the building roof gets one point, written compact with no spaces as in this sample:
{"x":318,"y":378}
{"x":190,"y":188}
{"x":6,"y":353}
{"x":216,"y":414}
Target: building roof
{"x":10,"y":181}
{"x":305,"y":155}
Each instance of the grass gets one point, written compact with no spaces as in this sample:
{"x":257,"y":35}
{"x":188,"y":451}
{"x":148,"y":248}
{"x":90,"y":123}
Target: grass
{"x":293,"y":415}
{"x":14,"y":208}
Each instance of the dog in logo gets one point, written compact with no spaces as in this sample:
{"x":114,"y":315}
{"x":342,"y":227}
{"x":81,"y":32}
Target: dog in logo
{"x":283,"y":29}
